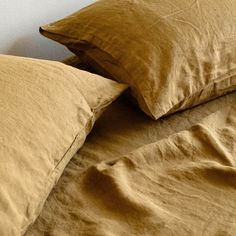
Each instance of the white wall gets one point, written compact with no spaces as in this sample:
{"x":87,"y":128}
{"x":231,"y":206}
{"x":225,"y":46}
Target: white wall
{"x":20,"y":21}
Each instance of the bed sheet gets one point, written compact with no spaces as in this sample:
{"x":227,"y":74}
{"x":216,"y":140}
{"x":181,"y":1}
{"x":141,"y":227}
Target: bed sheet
{"x":119,"y":131}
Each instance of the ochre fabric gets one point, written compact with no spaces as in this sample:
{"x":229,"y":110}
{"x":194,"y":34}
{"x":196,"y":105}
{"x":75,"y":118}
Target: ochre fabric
{"x":46,"y":111}
{"x":174,"y":53}
{"x":180,"y":181}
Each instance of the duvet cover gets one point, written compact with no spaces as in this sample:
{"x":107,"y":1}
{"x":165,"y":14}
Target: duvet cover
{"x":136,"y":176}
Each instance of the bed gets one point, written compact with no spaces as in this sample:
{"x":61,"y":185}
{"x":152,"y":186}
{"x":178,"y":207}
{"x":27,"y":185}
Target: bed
{"x":135,"y":134}
{"x":122,"y":130}
{"x":71,"y":209}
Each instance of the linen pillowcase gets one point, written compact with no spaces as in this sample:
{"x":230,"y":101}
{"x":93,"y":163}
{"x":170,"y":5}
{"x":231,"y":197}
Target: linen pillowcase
{"x":174,"y":54}
{"x":46,"y":111}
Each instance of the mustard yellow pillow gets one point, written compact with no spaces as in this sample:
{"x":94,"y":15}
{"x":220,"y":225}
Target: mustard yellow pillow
{"x":46,"y":111}
{"x":174,"y":54}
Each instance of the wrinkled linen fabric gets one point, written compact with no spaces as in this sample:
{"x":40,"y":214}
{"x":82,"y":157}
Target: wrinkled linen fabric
{"x":174,"y":54}
{"x":136,"y":176}
{"x":46,"y":111}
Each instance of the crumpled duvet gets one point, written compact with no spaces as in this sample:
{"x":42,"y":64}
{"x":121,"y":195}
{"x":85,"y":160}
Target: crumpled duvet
{"x":182,"y":184}
{"x":185,"y":184}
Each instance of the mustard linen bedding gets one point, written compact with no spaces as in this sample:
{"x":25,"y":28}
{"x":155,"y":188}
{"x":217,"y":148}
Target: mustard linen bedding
{"x":46,"y":111}
{"x":174,"y":54}
{"x":136,"y":176}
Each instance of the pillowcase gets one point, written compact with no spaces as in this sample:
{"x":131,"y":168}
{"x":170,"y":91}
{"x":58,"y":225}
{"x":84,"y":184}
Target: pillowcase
{"x":174,"y":54}
{"x":46,"y":110}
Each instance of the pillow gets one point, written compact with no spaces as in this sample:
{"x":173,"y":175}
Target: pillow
{"x":46,"y":110}
{"x":174,"y":54}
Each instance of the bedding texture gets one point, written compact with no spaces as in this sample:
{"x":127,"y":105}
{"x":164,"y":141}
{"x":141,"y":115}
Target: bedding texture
{"x":46,"y":111}
{"x":174,"y":54}
{"x":136,"y":176}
